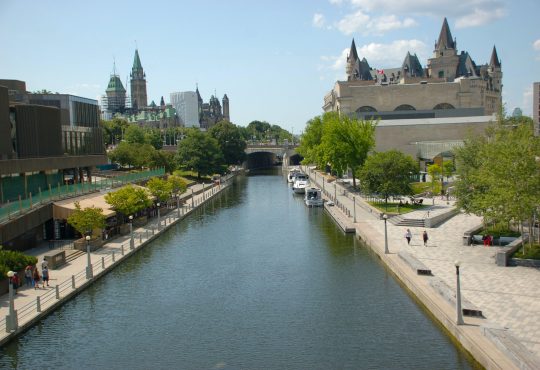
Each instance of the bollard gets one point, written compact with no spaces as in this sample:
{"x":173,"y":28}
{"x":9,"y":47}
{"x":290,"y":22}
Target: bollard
{"x":122,"y":249}
{"x":147,"y":234}
{"x":38,"y":304}
{"x":113,"y":257}
{"x":57,"y":292}
{"x":103,"y":263}
{"x":152,"y":231}
{"x":140,"y":239}
{"x":73,"y":281}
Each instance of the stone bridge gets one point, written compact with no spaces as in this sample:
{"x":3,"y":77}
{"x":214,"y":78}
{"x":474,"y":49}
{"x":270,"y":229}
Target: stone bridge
{"x":262,"y":156}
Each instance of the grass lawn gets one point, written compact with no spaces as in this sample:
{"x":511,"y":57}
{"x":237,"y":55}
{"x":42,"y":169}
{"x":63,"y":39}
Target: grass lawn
{"x":530,"y":253}
{"x":191,"y":176}
{"x":422,"y":187}
{"x":393,"y":207}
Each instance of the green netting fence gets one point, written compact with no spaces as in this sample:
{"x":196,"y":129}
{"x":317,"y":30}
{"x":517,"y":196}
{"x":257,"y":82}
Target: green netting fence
{"x":54,"y":193}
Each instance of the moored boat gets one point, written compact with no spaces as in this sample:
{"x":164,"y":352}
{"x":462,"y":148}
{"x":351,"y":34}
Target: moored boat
{"x":313,"y":197}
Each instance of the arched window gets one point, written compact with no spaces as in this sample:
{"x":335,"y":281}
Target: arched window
{"x":441,"y":74}
{"x":366,"y":108}
{"x":444,"y":106}
{"x":405,"y":107}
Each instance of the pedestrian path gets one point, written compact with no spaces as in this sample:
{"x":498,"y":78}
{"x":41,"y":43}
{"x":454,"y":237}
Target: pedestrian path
{"x":32,"y":304}
{"x":509,"y":297}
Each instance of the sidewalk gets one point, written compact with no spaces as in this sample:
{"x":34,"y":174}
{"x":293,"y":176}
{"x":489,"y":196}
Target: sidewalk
{"x":509,"y":297}
{"x":70,"y":278}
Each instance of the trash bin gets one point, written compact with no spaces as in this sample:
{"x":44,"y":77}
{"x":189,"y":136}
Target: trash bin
{"x":467,"y":240}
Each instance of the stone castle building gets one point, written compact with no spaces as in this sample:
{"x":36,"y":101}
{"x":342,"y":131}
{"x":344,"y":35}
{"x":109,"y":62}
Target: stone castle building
{"x":450,"y":85}
{"x":138,"y":84}
{"x":212,"y":112}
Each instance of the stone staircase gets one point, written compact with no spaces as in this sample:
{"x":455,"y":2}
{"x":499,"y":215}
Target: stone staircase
{"x":73,"y":254}
{"x":410,"y":222}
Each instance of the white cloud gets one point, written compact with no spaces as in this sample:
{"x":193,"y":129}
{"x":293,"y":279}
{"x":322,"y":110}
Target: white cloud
{"x":365,"y":24}
{"x":536,"y":45}
{"x":337,"y":2}
{"x":527,"y":100}
{"x":318,"y":20}
{"x":466,"y":13}
{"x":479,"y":17}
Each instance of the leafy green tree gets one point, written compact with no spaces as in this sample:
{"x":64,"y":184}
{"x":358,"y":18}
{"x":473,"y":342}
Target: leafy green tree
{"x":134,"y":135}
{"x":159,"y":188}
{"x":447,"y":168}
{"x":124,"y":154}
{"x":200,"y":152}
{"x":129,"y":200}
{"x":230,"y":141}
{"x":311,"y":143}
{"x":258,"y":129}
{"x":178,"y":184}
{"x":165,"y":159}
{"x":14,"y":261}
{"x":435,"y":172}
{"x":153,"y":137}
{"x":346,"y":142}
{"x":113,"y":130}
{"x":86,"y":220}
{"x":388,"y":174}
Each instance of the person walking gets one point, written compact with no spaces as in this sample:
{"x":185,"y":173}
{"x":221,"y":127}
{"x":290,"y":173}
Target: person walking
{"x":28,"y":276}
{"x":425,"y":238}
{"x":36,"y":277}
{"x":408,"y":236}
{"x":45,"y":273}
{"x":15,"y":282}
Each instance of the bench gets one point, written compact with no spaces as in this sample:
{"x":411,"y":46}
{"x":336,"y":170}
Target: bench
{"x":467,"y":308}
{"x":55,"y":260}
{"x":414,"y":263}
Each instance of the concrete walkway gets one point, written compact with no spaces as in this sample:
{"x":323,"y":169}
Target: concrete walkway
{"x":509,"y":297}
{"x":33,"y":304}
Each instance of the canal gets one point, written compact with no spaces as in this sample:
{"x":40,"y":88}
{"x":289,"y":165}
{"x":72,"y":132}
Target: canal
{"x":254,"y":280}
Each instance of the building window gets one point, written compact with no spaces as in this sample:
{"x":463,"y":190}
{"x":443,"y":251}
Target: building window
{"x":366,"y":108}
{"x":405,"y":107}
{"x":443,"y":106}
{"x":441,"y":74}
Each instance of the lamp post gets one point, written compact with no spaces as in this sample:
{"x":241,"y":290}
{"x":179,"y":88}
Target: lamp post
{"x":131,"y":240}
{"x":385,"y":217}
{"x":89,"y":271}
{"x":158,"y":217}
{"x":11,"y":320}
{"x":458,"y":296}
{"x":192,"y":200}
{"x":178,"y":204}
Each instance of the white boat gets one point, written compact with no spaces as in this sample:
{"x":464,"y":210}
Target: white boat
{"x":301,"y":182}
{"x":292,"y":174}
{"x":313,"y":197}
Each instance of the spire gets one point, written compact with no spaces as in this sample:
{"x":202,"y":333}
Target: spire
{"x":137,"y":61}
{"x":494,"y":62}
{"x":353,"y":54}
{"x":445,"y":38}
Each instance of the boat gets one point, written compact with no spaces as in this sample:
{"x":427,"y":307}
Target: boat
{"x":292,"y":174}
{"x":301,"y":182}
{"x":313,"y":197}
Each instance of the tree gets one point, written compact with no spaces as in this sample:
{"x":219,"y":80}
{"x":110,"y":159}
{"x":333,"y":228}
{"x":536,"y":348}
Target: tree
{"x":153,"y":137}
{"x":447,"y":168}
{"x":113,"y":130}
{"x":230,"y":142}
{"x":135,"y":134}
{"x":499,"y":174}
{"x":311,"y":143}
{"x":124,"y":154}
{"x":200,"y":152}
{"x":435,"y":172}
{"x":388,"y":174}
{"x":178,"y":184}
{"x":346,"y":142}
{"x":159,"y":188}
{"x":165,"y":159}
{"x":86,"y":220}
{"x":129,"y":200}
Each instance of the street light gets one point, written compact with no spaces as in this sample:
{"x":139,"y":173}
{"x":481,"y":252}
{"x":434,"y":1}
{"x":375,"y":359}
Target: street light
{"x":458,"y":295}
{"x":89,"y":271}
{"x":178,"y":204}
{"x":192,"y":199}
{"x":385,"y":217}
{"x":132,"y":240}
{"x":11,"y":320}
{"x":158,"y":217}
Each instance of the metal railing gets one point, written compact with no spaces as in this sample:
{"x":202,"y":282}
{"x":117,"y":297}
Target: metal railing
{"x":44,"y":196}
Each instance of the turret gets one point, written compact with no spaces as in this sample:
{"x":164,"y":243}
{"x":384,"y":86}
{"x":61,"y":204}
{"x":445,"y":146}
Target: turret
{"x":138,"y":84}
{"x":225,"y":102}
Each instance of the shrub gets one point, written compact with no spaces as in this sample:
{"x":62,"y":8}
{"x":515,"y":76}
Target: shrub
{"x":14,"y":261}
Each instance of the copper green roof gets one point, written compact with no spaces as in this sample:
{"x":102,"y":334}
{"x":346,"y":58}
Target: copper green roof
{"x":137,"y":61}
{"x":115,"y":84}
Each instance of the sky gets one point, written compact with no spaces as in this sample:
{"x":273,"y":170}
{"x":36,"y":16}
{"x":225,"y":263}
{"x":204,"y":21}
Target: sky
{"x":275,"y":59}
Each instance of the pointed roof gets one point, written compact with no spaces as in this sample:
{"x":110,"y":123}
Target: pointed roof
{"x":494,"y":58}
{"x":115,"y":84}
{"x":445,"y":37}
{"x":353,"y":53}
{"x":137,"y":61}
{"x":412,"y":64}
{"x":225,"y":97}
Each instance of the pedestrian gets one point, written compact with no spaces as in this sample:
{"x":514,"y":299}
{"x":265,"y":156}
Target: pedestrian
{"x":28,"y":276}
{"x":44,"y":263}
{"x":45,"y":274}
{"x":36,"y":277}
{"x":15,"y":282}
{"x":425,"y":238}
{"x":408,"y":236}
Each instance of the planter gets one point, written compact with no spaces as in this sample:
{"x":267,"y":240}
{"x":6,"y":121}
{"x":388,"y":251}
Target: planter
{"x":95,"y":244}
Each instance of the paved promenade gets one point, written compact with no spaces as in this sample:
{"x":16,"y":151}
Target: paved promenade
{"x":509,"y":297}
{"x":70,"y":278}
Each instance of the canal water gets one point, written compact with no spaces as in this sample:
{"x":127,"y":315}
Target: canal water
{"x":254,"y":280}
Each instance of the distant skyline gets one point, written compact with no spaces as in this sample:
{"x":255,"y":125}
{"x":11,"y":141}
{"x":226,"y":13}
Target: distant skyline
{"x":275,"y":60}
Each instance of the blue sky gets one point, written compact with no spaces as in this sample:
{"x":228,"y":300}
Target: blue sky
{"x":275,"y":60}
